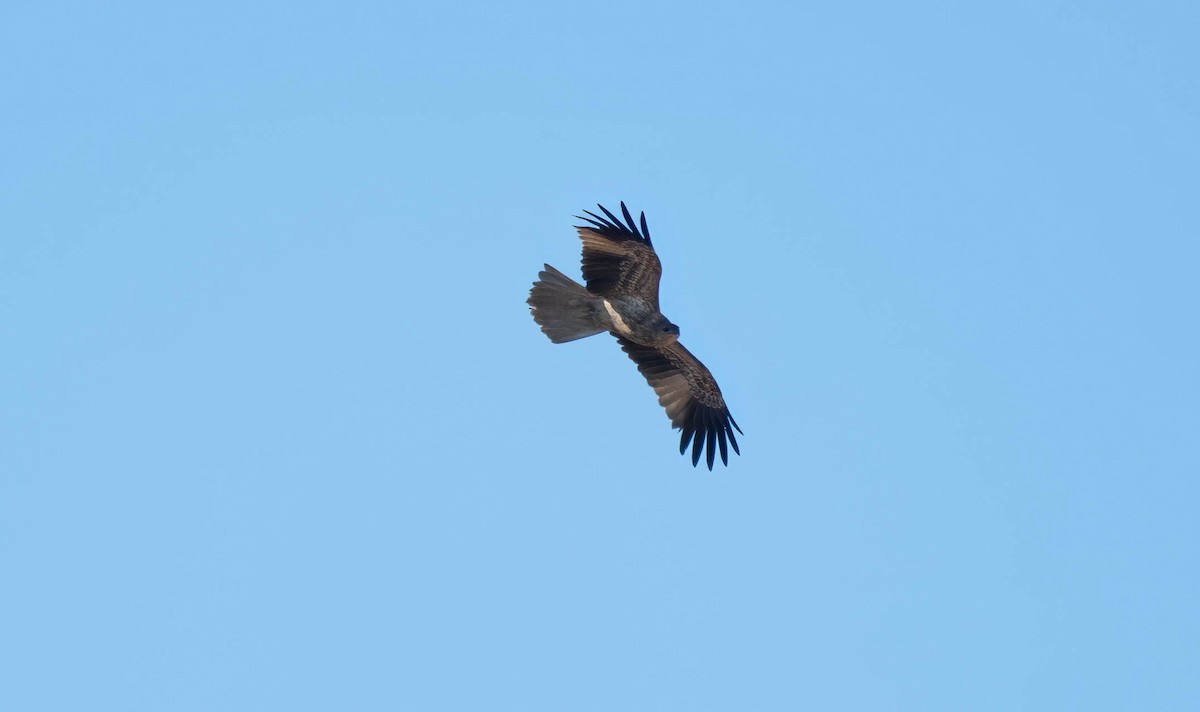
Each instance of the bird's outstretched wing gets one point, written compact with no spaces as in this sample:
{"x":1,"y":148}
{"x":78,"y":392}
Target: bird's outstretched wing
{"x":618,"y":259}
{"x":687,"y":390}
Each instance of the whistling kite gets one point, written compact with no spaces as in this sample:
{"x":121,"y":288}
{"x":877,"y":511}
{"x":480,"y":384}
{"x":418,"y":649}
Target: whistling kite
{"x":622,"y":272}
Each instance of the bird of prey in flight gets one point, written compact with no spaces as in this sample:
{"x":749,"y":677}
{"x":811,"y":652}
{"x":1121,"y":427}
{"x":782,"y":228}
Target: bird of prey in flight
{"x":621,"y":297}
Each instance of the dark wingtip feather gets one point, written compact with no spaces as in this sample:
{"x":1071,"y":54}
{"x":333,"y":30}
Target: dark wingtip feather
{"x":712,"y":445}
{"x":629,"y":219}
{"x":595,"y":219}
{"x":613,"y":218}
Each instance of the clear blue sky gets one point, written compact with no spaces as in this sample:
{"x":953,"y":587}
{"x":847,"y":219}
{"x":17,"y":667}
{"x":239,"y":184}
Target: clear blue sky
{"x":278,"y":433}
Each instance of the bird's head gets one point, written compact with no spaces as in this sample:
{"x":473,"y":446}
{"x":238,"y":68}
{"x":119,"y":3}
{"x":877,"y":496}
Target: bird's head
{"x":668,"y":333}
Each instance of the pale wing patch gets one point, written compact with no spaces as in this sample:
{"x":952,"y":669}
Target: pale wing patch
{"x":617,"y":320}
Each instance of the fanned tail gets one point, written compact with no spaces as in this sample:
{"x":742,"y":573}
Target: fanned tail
{"x":562,"y":307}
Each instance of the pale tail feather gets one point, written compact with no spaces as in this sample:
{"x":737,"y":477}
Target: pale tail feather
{"x":562,"y":307}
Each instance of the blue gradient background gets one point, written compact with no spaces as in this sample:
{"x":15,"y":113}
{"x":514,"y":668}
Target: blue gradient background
{"x":277,"y":431}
